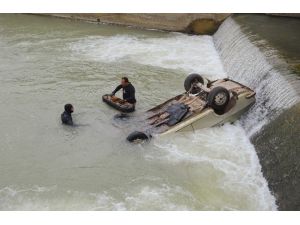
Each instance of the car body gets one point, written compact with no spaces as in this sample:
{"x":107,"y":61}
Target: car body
{"x":205,"y":104}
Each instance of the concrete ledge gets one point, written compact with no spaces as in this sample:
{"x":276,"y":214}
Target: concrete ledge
{"x":293,"y":15}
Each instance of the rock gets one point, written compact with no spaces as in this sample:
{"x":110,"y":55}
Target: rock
{"x":203,"y":26}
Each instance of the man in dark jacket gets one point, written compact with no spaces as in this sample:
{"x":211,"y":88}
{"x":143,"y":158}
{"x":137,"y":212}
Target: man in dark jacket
{"x":66,"y":117}
{"x":128,"y":90}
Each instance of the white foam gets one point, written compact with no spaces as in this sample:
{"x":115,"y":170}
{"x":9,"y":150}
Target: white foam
{"x":154,"y":197}
{"x":246,"y":63}
{"x":175,"y":51}
{"x":222,"y":152}
{"x":227,"y":155}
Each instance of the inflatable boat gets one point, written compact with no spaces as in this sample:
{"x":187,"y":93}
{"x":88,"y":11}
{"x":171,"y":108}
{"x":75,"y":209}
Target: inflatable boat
{"x":118,"y":104}
{"x":204,"y":104}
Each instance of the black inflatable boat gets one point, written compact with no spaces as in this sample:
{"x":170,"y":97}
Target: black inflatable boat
{"x":118,"y":104}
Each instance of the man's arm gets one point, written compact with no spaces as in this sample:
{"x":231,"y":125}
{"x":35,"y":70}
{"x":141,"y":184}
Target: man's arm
{"x":117,"y":89}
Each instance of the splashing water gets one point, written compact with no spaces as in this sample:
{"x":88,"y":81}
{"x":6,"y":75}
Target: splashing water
{"x":262,"y":71}
{"x":177,"y":52}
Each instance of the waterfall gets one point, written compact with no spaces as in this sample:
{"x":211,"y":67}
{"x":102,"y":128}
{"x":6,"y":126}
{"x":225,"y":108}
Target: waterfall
{"x":249,"y":61}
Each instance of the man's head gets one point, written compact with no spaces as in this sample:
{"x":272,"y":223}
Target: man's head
{"x":69,"y":108}
{"x":124,"y":81}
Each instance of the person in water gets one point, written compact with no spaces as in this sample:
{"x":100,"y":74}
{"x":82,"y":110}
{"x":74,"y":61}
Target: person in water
{"x":66,"y":117}
{"x":128,"y":90}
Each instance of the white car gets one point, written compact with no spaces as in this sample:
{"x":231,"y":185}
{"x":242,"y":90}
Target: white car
{"x":204,"y":104}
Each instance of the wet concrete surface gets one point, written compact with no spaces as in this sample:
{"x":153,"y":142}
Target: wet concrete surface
{"x":278,"y":148}
{"x":278,"y":143}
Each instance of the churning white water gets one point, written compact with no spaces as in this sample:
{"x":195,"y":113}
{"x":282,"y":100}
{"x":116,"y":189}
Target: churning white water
{"x":176,"y":51}
{"x":262,"y":70}
{"x":48,"y":62}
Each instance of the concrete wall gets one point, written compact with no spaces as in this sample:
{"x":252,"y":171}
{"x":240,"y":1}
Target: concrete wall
{"x":278,"y":148}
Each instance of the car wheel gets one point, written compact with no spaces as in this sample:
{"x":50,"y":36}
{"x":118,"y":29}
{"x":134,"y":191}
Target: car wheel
{"x":136,"y":136}
{"x":218,"y":98}
{"x":191,"y":79}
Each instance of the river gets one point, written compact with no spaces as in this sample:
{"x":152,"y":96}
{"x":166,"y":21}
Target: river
{"x":47,"y":62}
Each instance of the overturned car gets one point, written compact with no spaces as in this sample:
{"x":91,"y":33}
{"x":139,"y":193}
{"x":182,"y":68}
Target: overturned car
{"x":204,"y":104}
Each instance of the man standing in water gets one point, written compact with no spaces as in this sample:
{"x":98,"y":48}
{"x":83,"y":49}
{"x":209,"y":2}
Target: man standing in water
{"x":66,"y":117}
{"x":128,"y":90}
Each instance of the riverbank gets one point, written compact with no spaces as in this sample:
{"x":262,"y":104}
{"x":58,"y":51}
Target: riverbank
{"x":192,"y":23}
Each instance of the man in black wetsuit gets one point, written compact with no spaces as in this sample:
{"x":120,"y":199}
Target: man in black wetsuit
{"x":66,"y":117}
{"x":128,"y":90}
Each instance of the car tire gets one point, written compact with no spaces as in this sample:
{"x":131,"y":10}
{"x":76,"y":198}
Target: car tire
{"x":137,"y":135}
{"x":191,"y":79}
{"x":218,"y":98}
